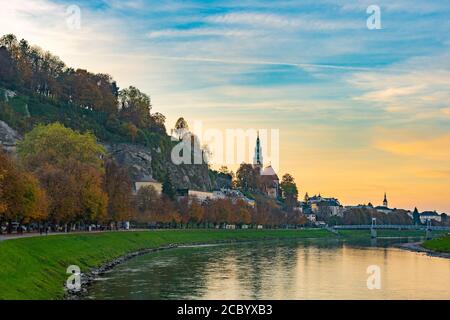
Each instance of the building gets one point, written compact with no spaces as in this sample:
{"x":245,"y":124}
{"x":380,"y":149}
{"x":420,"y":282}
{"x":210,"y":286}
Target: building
{"x":384,"y":208}
{"x":321,"y":205}
{"x":155,"y":184}
{"x":234,"y":195}
{"x":269,"y":178}
{"x":430,"y":216}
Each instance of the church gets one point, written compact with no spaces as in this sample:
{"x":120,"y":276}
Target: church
{"x":269,"y":178}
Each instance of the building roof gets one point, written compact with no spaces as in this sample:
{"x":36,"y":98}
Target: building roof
{"x":429,"y":213}
{"x":382,"y":208}
{"x":268,"y":171}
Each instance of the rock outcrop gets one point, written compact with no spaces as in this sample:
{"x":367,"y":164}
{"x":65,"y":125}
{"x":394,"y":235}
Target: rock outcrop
{"x":8,"y":137}
{"x":138,"y":160}
{"x":192,"y":176}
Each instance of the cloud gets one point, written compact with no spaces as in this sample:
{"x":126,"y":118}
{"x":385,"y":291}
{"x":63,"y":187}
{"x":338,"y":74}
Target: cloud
{"x":199,"y":32}
{"x":433,"y":148}
{"x":416,"y":88}
{"x":304,"y":22}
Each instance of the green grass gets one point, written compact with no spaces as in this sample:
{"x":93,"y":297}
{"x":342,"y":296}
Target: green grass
{"x":35,"y":268}
{"x":440,"y":244}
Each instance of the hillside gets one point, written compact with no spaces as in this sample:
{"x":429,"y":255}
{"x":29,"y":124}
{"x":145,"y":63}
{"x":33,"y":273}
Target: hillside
{"x":36,"y":87}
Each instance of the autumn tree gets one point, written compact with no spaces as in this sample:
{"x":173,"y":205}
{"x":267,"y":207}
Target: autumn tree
{"x":119,"y":188}
{"x":22,"y":199}
{"x":148,"y":203}
{"x":196,"y":211}
{"x":69,"y":166}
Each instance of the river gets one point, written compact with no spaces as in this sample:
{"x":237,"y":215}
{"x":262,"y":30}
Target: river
{"x":319,"y":269}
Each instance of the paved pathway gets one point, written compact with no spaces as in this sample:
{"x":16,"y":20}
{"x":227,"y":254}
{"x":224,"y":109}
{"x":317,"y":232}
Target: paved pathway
{"x":5,"y":237}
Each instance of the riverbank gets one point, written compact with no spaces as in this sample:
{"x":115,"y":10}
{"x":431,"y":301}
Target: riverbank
{"x":35,"y":268}
{"x":441,"y":245}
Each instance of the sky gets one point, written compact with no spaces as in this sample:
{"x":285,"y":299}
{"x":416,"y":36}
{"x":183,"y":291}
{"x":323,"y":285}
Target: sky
{"x":359,"y":111}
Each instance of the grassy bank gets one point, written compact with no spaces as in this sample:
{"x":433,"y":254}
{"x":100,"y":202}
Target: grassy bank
{"x":439,"y":245}
{"x":35,"y":268}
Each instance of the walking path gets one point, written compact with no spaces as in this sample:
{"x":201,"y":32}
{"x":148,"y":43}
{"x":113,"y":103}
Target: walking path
{"x":5,"y":237}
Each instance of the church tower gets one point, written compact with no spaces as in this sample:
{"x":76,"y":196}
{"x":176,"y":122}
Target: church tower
{"x":385,"y":202}
{"x":258,"y":158}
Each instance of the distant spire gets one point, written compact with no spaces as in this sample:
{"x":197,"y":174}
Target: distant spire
{"x":385,"y":202}
{"x":258,"y":158}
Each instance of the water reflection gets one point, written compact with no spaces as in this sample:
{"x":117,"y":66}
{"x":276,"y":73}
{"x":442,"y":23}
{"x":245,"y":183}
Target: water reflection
{"x":326,"y":269}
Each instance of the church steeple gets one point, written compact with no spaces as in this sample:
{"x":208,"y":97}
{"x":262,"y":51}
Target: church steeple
{"x":258,"y":158}
{"x":385,"y":202}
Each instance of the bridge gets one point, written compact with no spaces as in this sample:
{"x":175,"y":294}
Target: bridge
{"x":374,"y":227}
{"x":389,"y":226}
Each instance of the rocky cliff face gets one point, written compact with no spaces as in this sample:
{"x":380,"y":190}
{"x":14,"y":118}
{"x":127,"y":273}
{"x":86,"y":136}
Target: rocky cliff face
{"x":8,"y":137}
{"x":192,"y":176}
{"x":138,"y":160}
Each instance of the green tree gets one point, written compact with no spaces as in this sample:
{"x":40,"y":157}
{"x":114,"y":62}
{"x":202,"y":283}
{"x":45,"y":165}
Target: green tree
{"x":289,"y":191}
{"x":416,"y":216}
{"x":168,"y":189}
{"x":55,"y":144}
{"x":135,"y":107}
{"x":248,"y":178}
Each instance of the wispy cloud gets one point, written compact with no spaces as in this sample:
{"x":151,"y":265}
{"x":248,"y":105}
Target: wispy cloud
{"x":418,"y":88}
{"x":200,"y":32}
{"x":304,"y":22}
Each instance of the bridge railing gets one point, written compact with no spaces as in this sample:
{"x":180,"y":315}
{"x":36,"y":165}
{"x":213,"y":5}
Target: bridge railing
{"x":391,"y":226}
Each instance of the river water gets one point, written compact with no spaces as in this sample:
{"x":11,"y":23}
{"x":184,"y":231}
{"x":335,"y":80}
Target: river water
{"x":319,"y":269}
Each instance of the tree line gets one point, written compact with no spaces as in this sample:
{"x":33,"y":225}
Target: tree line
{"x":29,"y":68}
{"x":65,"y":180}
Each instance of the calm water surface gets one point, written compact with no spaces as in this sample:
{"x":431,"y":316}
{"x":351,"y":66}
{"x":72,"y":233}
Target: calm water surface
{"x":322,"y":269}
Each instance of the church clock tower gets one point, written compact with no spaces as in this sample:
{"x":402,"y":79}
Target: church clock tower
{"x":385,"y":202}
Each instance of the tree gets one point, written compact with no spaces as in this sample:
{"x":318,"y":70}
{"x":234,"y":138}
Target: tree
{"x":8,"y":69}
{"x":69,"y":166}
{"x":167,"y":188}
{"x":119,"y":188}
{"x":196,"y":211}
{"x":181,"y":128}
{"x":248,"y":178}
{"x":148,"y":203}
{"x":289,"y":191}
{"x":22,"y":198}
{"x":416,"y":216}
{"x":55,"y":144}
{"x":135,"y":107}
{"x":2,"y":178}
